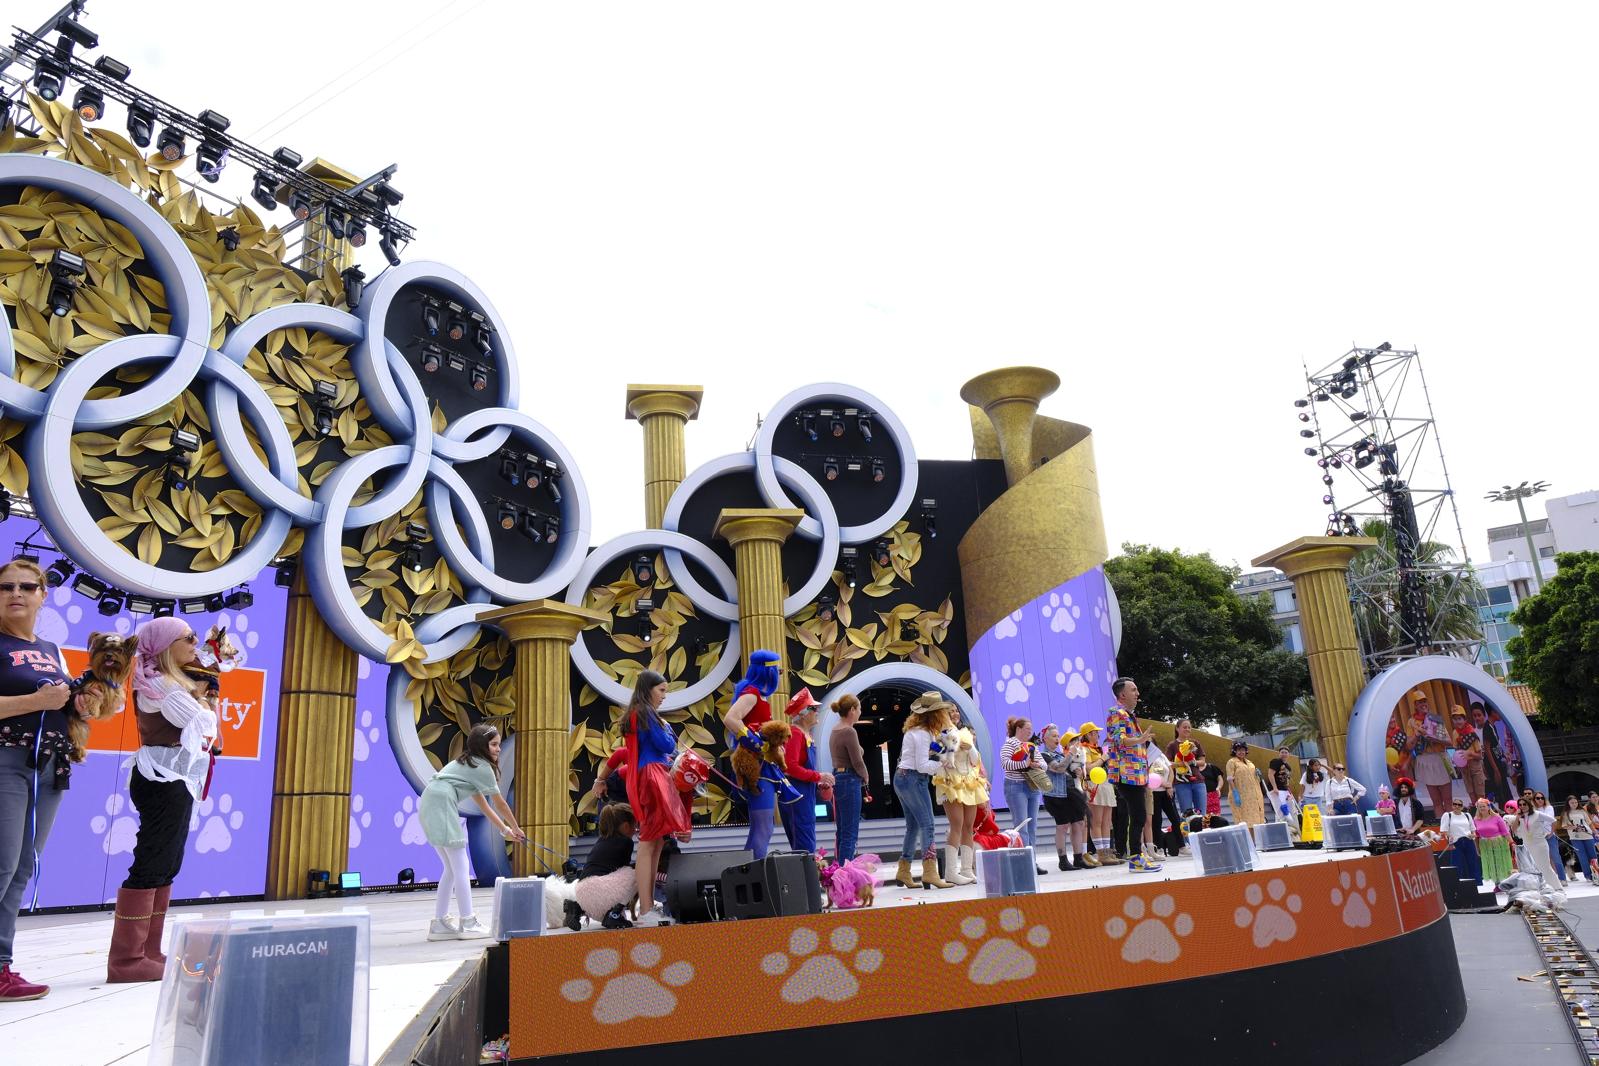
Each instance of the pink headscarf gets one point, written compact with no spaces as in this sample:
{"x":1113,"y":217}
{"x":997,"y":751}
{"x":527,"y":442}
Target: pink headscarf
{"x":155,"y":637}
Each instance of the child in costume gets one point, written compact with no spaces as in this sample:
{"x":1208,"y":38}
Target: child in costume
{"x":986,"y":831}
{"x":962,"y":788}
{"x":799,"y":817}
{"x":1385,"y":801}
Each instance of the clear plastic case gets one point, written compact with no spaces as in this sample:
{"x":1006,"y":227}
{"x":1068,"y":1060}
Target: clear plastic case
{"x":518,"y":907}
{"x":1223,"y":851}
{"x":1007,"y":872}
{"x":1273,"y":836}
{"x":1343,"y":832}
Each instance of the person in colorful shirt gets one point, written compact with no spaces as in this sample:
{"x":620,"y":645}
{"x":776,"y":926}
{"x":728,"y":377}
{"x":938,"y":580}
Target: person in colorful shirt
{"x":799,"y":818}
{"x":1128,"y":767}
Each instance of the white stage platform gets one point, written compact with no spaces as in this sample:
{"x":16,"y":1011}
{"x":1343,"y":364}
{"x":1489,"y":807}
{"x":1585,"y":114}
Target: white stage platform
{"x":86,"y":1022}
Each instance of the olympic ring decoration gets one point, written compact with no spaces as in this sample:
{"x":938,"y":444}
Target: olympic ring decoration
{"x":231,"y":396}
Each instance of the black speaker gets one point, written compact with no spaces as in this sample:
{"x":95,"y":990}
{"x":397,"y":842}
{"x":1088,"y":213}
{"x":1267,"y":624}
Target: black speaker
{"x":694,"y":884}
{"x":778,"y":886}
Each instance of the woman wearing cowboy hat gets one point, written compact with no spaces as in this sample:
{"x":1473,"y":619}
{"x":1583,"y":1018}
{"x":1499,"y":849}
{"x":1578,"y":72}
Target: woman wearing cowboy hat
{"x":913,"y":778}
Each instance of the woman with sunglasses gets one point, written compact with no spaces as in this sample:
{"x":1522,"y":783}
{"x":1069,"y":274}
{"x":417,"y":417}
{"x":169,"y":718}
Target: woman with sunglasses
{"x":1547,"y":810}
{"x":1460,"y":829}
{"x":1343,"y":791}
{"x":34,"y":749}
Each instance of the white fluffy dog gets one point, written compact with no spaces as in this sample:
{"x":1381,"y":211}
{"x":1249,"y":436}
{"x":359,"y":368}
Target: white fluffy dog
{"x":557,"y":891}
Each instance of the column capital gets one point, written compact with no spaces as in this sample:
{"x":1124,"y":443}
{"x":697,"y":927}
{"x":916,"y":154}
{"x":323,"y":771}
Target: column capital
{"x":1309,"y":554}
{"x":547,"y":619}
{"x":737,"y":525}
{"x":680,"y":400}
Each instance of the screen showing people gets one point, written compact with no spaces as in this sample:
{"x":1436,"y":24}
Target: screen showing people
{"x":1445,"y":743}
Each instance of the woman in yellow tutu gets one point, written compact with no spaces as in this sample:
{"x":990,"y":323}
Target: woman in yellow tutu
{"x":962,"y":788}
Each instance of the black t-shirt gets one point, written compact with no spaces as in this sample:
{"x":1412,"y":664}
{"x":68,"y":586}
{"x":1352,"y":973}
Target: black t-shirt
{"x":608,"y":855}
{"x":1278,"y":763}
{"x":24,"y":666}
{"x":1212,"y":777}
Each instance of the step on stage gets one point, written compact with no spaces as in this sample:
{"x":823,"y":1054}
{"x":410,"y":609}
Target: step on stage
{"x":1236,"y":968}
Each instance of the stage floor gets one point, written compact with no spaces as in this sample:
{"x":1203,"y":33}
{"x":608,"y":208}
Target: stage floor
{"x":85,"y":1022}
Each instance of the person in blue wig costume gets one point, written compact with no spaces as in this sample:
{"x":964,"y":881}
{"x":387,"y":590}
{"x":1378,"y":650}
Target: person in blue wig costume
{"x":745,"y":719}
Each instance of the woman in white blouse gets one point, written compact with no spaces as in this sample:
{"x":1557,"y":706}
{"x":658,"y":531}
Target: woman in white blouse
{"x":176,"y":733}
{"x":1343,"y":791}
{"x":913,"y":779}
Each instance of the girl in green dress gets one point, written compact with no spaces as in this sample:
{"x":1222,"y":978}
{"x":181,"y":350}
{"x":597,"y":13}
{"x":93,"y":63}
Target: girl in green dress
{"x":476,"y":775}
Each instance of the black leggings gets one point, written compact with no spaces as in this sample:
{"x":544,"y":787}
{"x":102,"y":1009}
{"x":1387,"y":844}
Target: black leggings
{"x":1129,"y":819}
{"x":164,"y":808}
{"x":1164,"y":805}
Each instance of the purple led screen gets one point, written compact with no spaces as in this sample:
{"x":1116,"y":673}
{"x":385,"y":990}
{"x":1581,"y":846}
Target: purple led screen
{"x":385,"y":832}
{"x":1052,"y":660}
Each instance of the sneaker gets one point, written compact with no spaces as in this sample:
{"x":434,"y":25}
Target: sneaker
{"x":652,"y":917}
{"x":614,"y":919}
{"x":443,"y":929}
{"x":1142,"y":865}
{"x":472,"y":929}
{"x":13,"y":989}
{"x":574,"y":915}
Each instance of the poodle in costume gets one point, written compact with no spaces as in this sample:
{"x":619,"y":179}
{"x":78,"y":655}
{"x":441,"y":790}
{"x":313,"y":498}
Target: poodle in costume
{"x":851,"y":884}
{"x":758,"y":760}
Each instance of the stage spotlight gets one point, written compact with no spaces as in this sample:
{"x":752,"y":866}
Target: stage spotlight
{"x":454,"y":361}
{"x":111,"y":603}
{"x":484,"y":337}
{"x":480,"y":378}
{"x":553,"y":476}
{"x":89,"y":103}
{"x":1301,"y":403}
{"x":430,"y":316}
{"x":406,"y":878}
{"x":533,"y":472}
{"x":929,"y":518}
{"x":552,"y":529}
{"x":641,"y":609}
{"x":239,"y":599}
{"x":432,"y":358}
{"x":1304,"y":417}
{"x":316,"y":883}
{"x":836,"y":425}
{"x":58,"y":573}
{"x":334,"y":219}
{"x":882,"y":554}
{"x":90,"y":586}
{"x":848,"y":560}
{"x":1327,"y":498}
{"x":1363,"y":461}
{"x":643,"y":569}
{"x":184,"y":445}
{"x":114,"y":69}
{"x":411,"y":557}
{"x":141,"y":604}
{"x":229,"y":238}
{"x":322,"y":398}
{"x":1350,"y":393}
{"x":1322,"y":397}
{"x":1337,"y":464}
{"x":170,"y":145}
{"x":864,"y":423}
{"x":164,"y":608}
{"x":49,"y":78}
{"x":354,"y":284}
{"x":830,"y":468}
{"x":507,"y":515}
{"x":285,"y":572}
{"x":210,"y":157}
{"x":212,"y":603}
{"x":265,"y":191}
{"x":1310,"y":451}
{"x":1307,"y":433}
{"x":288,"y":157}
{"x":1383,"y":347}
{"x":511,"y":468}
{"x":65,"y":270}
{"x":808,"y":425}
{"x":457,"y":328}
{"x":878,"y":470}
{"x":825,"y":604}
{"x":299,"y":205}
{"x":1322,"y":463}
{"x":386,"y":246}
{"x":1357,"y":416}
{"x":356,"y":234}
{"x":1326,"y":479}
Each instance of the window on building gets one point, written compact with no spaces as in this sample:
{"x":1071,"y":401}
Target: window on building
{"x":1546,"y":553}
{"x":1499,"y":594}
{"x":1283,"y":601}
{"x":1292,"y":640}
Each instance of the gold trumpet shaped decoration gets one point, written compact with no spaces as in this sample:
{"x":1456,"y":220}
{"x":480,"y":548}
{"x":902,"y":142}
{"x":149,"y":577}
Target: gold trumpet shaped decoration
{"x":1010,"y":397}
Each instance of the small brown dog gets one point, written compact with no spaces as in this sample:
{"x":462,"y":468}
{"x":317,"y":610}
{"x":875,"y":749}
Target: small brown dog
{"x":747,"y":764}
{"x":100,"y":688}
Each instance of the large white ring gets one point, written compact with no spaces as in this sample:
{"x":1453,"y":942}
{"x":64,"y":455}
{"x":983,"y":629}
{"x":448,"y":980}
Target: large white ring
{"x":771,"y":485}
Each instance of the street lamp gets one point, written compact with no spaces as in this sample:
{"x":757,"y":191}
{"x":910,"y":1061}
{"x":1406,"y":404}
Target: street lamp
{"x":1520,"y":493}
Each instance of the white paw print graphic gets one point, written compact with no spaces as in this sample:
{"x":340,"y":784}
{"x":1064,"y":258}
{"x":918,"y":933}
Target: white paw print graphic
{"x":117,"y":831}
{"x":360,"y":818}
{"x":1269,"y":922}
{"x":1150,"y":940}
{"x":629,"y":995}
{"x":1062,"y":613}
{"x":1102,"y":615}
{"x":1076,"y":676}
{"x":409,"y":825}
{"x":366,"y":735}
{"x":1006,"y":628}
{"x":216,"y":830}
{"x":821,"y":976}
{"x":1000,"y":959}
{"x":1014,"y":683}
{"x":1355,"y":898}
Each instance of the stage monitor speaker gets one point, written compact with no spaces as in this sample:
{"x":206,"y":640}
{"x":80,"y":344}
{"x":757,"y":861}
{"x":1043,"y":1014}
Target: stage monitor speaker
{"x":1273,"y":836}
{"x":1379,"y":825}
{"x":1343,"y":832}
{"x":778,"y":886}
{"x":1222,"y":851}
{"x":694,"y":884}
{"x":518,"y":907}
{"x":1007,"y":872}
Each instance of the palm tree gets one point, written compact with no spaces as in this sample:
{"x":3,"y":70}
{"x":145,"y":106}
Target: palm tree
{"x":1451,"y":595}
{"x":1302,"y":725}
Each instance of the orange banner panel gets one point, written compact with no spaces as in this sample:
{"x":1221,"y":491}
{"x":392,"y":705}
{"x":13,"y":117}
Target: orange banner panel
{"x":239,"y":709}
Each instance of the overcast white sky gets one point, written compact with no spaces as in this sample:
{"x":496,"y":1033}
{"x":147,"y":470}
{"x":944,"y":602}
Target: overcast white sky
{"x":1171,"y":205}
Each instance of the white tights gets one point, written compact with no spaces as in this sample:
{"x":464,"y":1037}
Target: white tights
{"x":456,"y":875}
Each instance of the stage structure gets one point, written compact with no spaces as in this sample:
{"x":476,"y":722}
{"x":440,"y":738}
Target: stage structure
{"x":1367,"y":420}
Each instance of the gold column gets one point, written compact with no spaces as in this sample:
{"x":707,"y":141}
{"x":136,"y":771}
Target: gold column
{"x":663,"y":411}
{"x":1318,"y":567}
{"x":757,"y":535}
{"x":541,"y":634}
{"x":315,"y":752}
{"x":1010,"y":398}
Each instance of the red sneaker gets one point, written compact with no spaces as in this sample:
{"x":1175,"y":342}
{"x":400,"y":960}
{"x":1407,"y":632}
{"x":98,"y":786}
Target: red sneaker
{"x":13,"y":989}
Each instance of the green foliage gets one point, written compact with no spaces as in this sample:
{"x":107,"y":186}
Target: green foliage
{"x":1557,"y":653}
{"x":1303,"y":725}
{"x":1197,"y":648}
{"x":1451,"y":598}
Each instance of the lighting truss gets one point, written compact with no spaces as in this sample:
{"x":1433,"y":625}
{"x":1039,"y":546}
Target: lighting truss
{"x":1371,"y":430}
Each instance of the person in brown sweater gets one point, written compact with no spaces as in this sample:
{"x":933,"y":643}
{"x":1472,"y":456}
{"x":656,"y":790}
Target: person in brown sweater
{"x":849,"y":774}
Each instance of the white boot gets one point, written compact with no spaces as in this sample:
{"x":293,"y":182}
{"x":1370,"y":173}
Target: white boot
{"x":955,"y":867}
{"x":968,"y":861}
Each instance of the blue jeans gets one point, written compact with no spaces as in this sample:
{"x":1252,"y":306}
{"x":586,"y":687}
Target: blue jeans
{"x":847,"y":792}
{"x":1587,"y":852}
{"x":1467,"y":861}
{"x":759,"y":839}
{"x":22,"y":832}
{"x":1554,"y":857}
{"x":1344,"y":806}
{"x":1190,"y":796}
{"x":799,"y":819}
{"x":1023,"y":800}
{"x":916,"y":801}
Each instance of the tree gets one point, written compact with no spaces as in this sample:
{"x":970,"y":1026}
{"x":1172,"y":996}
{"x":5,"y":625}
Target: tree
{"x":1557,"y":652}
{"x":1303,"y":725}
{"x":1196,"y":648}
{"x":1451,"y":596}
